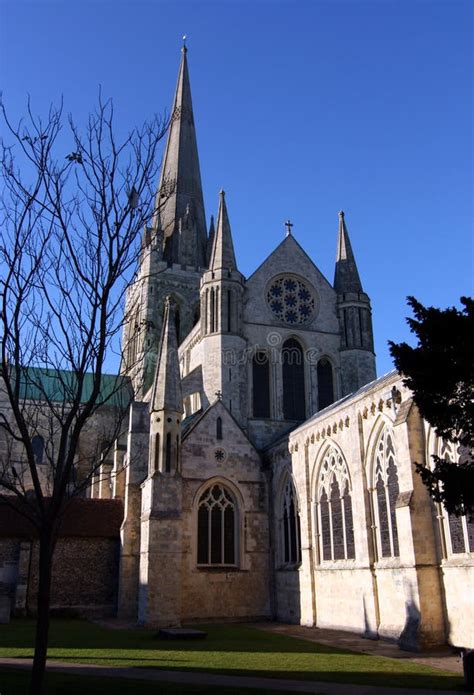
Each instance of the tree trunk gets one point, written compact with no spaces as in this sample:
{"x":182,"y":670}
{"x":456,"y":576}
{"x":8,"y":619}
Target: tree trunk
{"x":46,"y":548}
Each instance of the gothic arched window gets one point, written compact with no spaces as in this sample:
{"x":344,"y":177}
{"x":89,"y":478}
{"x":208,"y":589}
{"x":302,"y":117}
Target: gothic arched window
{"x":290,"y":526}
{"x":334,"y":509}
{"x":217,"y":527}
{"x":459,"y":530}
{"x":294,"y":403}
{"x":385,"y":492}
{"x":261,"y":384}
{"x":219,"y":428}
{"x":325,"y":384}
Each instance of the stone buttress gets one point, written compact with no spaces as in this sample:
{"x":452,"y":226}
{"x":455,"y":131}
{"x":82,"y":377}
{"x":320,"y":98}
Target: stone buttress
{"x":161,"y":511}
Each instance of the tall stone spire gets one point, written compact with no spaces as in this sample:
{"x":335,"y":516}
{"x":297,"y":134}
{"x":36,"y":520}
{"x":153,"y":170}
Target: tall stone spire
{"x":346,"y":275}
{"x":181,"y":219}
{"x":166,"y":393}
{"x":222,"y":253}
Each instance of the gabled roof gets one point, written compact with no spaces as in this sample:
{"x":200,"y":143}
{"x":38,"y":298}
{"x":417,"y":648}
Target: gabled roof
{"x":355,"y":395}
{"x":290,"y":243}
{"x":202,"y":414}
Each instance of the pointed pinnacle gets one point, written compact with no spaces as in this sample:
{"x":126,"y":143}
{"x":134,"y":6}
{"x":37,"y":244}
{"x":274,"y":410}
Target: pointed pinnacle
{"x":166,"y":394}
{"x":346,"y":275}
{"x":222,"y":253}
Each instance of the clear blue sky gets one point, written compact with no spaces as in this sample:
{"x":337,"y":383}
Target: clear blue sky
{"x":302,"y":108}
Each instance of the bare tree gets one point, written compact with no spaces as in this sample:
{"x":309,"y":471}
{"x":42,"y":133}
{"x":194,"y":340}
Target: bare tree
{"x":71,"y":217}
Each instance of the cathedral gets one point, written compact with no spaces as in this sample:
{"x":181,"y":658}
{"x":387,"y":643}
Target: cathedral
{"x":263,"y":471}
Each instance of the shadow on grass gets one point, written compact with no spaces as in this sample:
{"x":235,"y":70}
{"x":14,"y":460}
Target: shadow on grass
{"x":146,"y":651}
{"x":77,"y":634}
{"x":16,"y":682}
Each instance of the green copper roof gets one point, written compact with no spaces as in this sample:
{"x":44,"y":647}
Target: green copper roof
{"x":39,"y":383}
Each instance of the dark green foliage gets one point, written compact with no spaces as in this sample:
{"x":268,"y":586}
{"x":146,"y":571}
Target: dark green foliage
{"x":440,"y":372}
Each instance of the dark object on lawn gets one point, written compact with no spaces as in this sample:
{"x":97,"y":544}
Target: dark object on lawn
{"x":468,"y":666}
{"x":181,"y":633}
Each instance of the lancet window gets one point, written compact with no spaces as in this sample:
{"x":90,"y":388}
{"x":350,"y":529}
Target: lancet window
{"x":294,"y":402}
{"x":334,"y":509}
{"x":261,"y":385}
{"x":290,"y":526}
{"x":325,"y":384}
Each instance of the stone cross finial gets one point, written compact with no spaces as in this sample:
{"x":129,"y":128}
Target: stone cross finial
{"x":288,"y":226}
{"x":219,"y":395}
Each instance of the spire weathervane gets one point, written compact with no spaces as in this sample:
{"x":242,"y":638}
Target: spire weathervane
{"x":288,"y":226}
{"x":185,"y":38}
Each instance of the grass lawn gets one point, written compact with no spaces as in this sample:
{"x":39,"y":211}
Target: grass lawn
{"x":228,"y":649}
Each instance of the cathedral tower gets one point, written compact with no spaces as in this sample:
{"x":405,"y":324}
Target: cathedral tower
{"x":174,"y":249}
{"x":355,"y":316}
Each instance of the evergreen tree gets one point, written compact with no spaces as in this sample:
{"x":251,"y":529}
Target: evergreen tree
{"x":440,"y":372}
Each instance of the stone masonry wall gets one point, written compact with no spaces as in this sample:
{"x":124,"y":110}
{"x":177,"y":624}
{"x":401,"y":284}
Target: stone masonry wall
{"x":85,"y":572}
{"x":417,"y":594}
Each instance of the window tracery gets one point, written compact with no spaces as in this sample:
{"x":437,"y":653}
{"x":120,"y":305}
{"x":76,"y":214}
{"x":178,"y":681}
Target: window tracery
{"x":217,"y":518}
{"x":385,"y":492}
{"x":291,"y":300}
{"x":334,"y":509}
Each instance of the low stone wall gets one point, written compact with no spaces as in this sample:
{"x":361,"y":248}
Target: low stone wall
{"x":85,"y":573}
{"x":85,"y":564}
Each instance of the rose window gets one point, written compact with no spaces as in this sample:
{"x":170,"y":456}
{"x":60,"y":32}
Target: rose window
{"x":291,"y":300}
